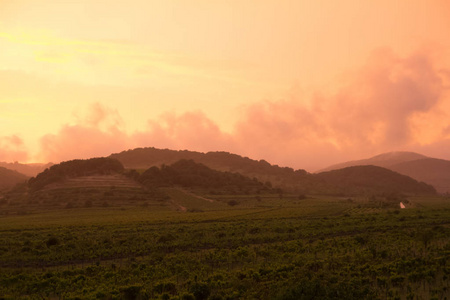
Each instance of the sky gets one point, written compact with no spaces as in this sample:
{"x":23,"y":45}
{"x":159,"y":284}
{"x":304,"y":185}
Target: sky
{"x":303,"y":84}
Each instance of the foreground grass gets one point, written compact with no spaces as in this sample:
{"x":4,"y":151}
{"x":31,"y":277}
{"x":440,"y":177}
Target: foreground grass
{"x":261,"y":248}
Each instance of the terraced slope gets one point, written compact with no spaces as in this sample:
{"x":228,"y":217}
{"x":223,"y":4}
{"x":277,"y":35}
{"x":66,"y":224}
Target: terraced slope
{"x":114,"y":180}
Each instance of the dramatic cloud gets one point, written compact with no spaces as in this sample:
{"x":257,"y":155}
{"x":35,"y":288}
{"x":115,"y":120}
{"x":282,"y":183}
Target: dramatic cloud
{"x":379,"y":110}
{"x":101,"y":133}
{"x":12,"y":148}
{"x":392,"y":103}
{"x":97,"y":134}
{"x":191,"y":130}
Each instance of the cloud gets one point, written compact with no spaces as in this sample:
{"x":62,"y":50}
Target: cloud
{"x":12,"y":148}
{"x":191,"y":130}
{"x":375,"y":112}
{"x":100,"y":133}
{"x":389,"y":104}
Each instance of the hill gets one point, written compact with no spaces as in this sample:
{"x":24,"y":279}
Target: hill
{"x":419,"y":167}
{"x":373,"y":179}
{"x":29,"y":170}
{"x":283,"y":177}
{"x":430,"y":170}
{"x":384,"y":160}
{"x":75,"y":168}
{"x":189,"y":174}
{"x":9,"y":178}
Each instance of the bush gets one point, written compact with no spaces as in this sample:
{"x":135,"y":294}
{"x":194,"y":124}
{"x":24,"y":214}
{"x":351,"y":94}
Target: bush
{"x":166,"y":287}
{"x":131,"y":292}
{"x":187,"y":297}
{"x":201,"y":291}
{"x":52,"y":241}
{"x":233,"y":203}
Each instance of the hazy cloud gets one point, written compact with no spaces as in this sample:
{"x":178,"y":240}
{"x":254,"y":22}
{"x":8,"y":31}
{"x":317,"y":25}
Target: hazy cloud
{"x":191,"y":130}
{"x":12,"y":148}
{"x":90,"y":137}
{"x":98,"y":133}
{"x":381,"y":108}
{"x":375,"y":112}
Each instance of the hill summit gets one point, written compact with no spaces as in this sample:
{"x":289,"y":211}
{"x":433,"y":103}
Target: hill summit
{"x":433,"y":171}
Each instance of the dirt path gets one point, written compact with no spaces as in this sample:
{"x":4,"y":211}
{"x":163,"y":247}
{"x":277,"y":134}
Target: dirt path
{"x":196,"y":196}
{"x":178,"y":206}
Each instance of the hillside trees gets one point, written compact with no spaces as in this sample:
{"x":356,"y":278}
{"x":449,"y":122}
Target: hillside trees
{"x":189,"y":174}
{"x":75,"y":168}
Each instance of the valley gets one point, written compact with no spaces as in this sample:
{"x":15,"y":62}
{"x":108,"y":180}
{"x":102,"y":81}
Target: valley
{"x":93,"y":229}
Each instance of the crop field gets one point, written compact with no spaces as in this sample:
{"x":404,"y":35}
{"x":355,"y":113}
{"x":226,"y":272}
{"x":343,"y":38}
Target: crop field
{"x":225,"y":247}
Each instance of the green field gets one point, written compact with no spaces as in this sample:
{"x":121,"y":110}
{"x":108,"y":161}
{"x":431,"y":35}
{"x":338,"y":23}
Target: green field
{"x":256,"y":247}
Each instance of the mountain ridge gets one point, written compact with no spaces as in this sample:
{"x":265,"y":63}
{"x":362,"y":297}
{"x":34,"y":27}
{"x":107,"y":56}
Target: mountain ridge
{"x":430,"y":170}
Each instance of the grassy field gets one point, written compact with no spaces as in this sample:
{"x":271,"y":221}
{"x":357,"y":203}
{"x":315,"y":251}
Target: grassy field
{"x":224,"y":247}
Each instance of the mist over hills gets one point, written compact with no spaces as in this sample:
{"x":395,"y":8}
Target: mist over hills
{"x":9,"y":178}
{"x":29,"y":170}
{"x":373,"y":179}
{"x":384,"y":160}
{"x":284,"y":177}
{"x":433,"y":171}
{"x":376,"y":180}
{"x":164,"y":167}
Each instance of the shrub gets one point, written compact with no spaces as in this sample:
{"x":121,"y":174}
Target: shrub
{"x":201,"y":291}
{"x":131,"y":292}
{"x":233,"y":203}
{"x":52,"y":241}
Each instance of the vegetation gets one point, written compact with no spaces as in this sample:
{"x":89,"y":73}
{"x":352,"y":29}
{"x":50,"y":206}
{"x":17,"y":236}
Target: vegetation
{"x":88,"y":229}
{"x":189,"y":174}
{"x":74,"y":168}
{"x":430,"y":170}
{"x":363,"y":179}
{"x":283,"y":177}
{"x":275,"y":248}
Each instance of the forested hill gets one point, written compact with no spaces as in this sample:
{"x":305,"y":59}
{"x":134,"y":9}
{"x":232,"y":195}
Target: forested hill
{"x":373,"y":179}
{"x":75,"y":168}
{"x":9,"y":178}
{"x":287,"y":178}
{"x":430,"y":170}
{"x":189,"y":174}
{"x":417,"y":166}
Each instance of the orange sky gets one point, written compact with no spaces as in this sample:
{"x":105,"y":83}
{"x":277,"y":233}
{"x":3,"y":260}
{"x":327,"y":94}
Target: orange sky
{"x":298,"y":83}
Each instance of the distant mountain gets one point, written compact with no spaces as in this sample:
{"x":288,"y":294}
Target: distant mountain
{"x":284,"y":177}
{"x":384,"y":160}
{"x":422,"y":168}
{"x":26,"y":169}
{"x":361,"y":179}
{"x":9,"y":178}
{"x":430,"y":170}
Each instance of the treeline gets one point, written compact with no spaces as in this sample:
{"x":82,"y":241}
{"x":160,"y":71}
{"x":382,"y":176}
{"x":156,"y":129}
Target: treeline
{"x":75,"y":168}
{"x":189,"y":174}
{"x":284,"y":177}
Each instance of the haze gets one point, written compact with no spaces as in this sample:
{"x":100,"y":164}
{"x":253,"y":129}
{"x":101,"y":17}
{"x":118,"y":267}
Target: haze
{"x":298,"y":83}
